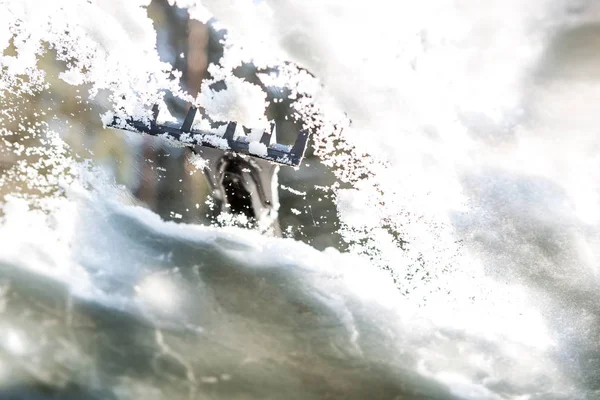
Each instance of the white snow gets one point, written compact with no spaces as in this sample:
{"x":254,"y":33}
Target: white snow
{"x":197,"y":161}
{"x":257,"y":148}
{"x":107,"y":117}
{"x":241,"y":101}
{"x":164,"y":115}
{"x":215,"y":140}
{"x":72,"y":77}
{"x":489,"y":175}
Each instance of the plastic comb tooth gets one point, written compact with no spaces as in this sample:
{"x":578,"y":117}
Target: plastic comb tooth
{"x":155,"y":111}
{"x":300,"y":146}
{"x":266,"y":138}
{"x":189,"y":119}
{"x":231,"y":127}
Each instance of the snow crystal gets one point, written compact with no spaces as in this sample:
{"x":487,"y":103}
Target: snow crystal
{"x":241,"y":101}
{"x":257,"y":148}
{"x":164,"y":115}
{"x":198,"y":162}
{"x":72,"y":77}
{"x":107,"y":118}
{"x":195,"y":8}
{"x":218,"y":142}
{"x":292,"y":190}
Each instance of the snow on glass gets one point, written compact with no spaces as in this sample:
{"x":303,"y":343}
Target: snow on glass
{"x":389,"y":218}
{"x":435,"y":74}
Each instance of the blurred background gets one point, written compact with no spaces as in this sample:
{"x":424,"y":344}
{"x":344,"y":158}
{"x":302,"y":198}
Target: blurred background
{"x":166,"y":179}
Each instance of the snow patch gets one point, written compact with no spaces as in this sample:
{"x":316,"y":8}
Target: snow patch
{"x":258,"y":149}
{"x":241,"y":101}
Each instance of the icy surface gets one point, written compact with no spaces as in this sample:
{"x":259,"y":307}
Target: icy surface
{"x":472,"y":140}
{"x":261,"y":315}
